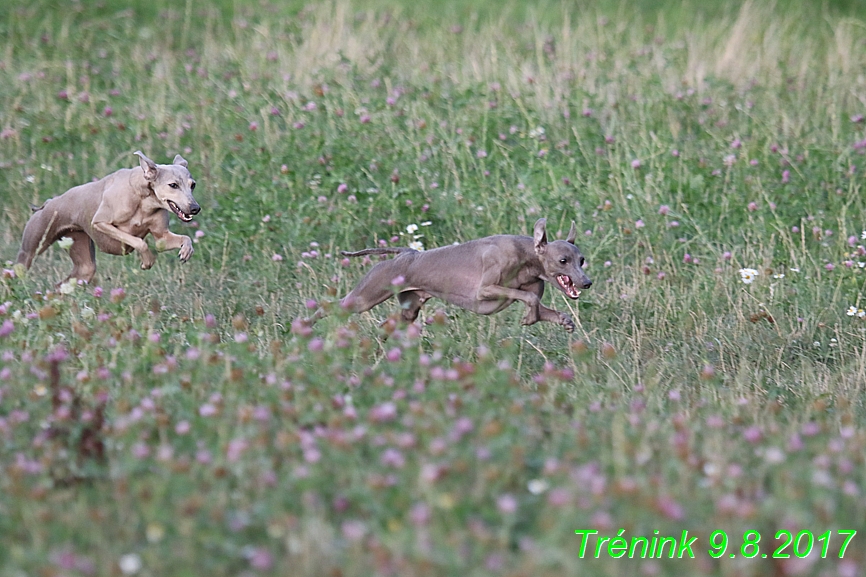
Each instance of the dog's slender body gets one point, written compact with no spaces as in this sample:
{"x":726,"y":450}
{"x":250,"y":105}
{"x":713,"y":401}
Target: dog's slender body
{"x":484,"y":276}
{"x":114,"y":214}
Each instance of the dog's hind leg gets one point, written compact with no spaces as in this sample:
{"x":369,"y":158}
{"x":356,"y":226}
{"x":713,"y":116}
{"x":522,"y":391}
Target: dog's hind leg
{"x":365,"y":296}
{"x":361,"y":299}
{"x":375,"y":288}
{"x":411,"y":303}
{"x":83,"y":255}
{"x":39,"y":233}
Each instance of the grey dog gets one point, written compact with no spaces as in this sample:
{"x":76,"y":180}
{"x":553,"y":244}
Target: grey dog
{"x":483,"y":275}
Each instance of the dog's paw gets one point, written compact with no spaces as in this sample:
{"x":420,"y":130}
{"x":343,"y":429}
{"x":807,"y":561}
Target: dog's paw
{"x":186,"y":251}
{"x":566,"y":322}
{"x":147,"y":259}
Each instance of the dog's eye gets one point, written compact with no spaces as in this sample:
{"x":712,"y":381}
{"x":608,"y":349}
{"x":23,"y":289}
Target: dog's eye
{"x":173,"y":185}
{"x":581,"y":262}
{"x":192,"y":186}
{"x":563,"y":260}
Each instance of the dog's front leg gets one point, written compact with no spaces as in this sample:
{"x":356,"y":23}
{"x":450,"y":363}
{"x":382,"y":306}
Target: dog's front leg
{"x":168,"y":240}
{"x":493,"y":263}
{"x":138,"y":244}
{"x":501,"y":293}
{"x":554,"y":316}
{"x":548,"y":314}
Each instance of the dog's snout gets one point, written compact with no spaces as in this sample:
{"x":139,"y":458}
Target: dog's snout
{"x":586,"y":284}
{"x":194,"y":208}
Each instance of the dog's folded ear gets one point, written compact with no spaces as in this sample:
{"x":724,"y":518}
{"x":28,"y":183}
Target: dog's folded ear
{"x":572,"y":234}
{"x":147,"y":165}
{"x":540,"y":235}
{"x":180,"y":161}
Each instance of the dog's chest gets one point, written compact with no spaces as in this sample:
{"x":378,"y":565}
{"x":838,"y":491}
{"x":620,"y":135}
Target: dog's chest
{"x":138,"y":228}
{"x":142,"y":223}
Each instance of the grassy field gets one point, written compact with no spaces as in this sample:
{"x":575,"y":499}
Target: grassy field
{"x":181,"y":421}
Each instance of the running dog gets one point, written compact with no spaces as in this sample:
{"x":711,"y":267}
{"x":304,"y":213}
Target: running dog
{"x":115,"y":213}
{"x":484,"y":276}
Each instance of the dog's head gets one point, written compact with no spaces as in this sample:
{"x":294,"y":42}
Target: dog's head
{"x":562,"y":260}
{"x":172,"y":184}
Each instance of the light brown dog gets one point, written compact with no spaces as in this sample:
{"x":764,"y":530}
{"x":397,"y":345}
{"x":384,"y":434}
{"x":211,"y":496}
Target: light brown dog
{"x":115,"y":213}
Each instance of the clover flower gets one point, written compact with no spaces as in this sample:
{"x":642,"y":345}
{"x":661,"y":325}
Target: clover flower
{"x":7,"y":328}
{"x":506,"y":503}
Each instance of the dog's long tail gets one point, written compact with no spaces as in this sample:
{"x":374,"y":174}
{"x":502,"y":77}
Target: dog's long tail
{"x":388,"y":250}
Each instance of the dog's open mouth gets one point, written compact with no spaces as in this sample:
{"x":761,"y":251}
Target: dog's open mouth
{"x":567,"y":286}
{"x":180,"y":214}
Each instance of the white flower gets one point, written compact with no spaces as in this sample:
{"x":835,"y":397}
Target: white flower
{"x":412,"y":228}
{"x":68,"y":287}
{"x":822,"y":478}
{"x":748,"y":275}
{"x":851,"y":311}
{"x":426,"y":223}
{"x":537,"y":486}
{"x":154,"y":532}
{"x":794,"y":269}
{"x":779,"y":275}
{"x":65,"y":243}
{"x":863,"y":235}
{"x":774,"y":455}
{"x":536,"y":132}
{"x":416,"y":245}
{"x":861,"y":313}
{"x":130,"y":564}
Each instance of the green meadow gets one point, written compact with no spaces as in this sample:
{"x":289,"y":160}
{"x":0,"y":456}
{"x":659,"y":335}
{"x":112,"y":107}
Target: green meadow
{"x":185,"y":421}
